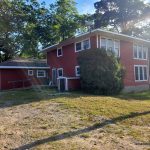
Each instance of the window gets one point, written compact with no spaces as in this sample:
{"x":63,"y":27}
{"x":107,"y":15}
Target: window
{"x":41,"y":73}
{"x":78,"y":46}
{"x":141,"y":73}
{"x":135,"y":49}
{"x":77,"y":70}
{"x":59,"y":52}
{"x":145,"y":51}
{"x":83,"y":45}
{"x":140,"y":52}
{"x":103,"y":43}
{"x":60,"y":72}
{"x":30,"y":72}
{"x":86,"y":44}
{"x":110,"y":44}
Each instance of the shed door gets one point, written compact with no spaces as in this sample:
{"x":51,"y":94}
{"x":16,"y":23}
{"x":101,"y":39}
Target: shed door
{"x":54,"y":77}
{"x":62,"y":83}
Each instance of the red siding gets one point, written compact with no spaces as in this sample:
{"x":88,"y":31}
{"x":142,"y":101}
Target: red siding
{"x":69,"y":59}
{"x":18,"y":75}
{"x":74,"y":84}
{"x":127,"y":60}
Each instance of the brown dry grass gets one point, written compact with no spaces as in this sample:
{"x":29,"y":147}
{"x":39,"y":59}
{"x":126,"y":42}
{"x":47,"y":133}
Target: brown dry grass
{"x":33,"y":119}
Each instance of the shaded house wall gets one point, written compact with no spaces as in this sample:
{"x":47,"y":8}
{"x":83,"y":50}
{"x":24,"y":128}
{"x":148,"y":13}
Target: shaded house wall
{"x":19,"y":78}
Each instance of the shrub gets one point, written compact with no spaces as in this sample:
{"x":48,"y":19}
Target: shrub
{"x":101,"y":72}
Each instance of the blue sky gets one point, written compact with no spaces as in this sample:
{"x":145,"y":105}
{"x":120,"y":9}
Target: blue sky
{"x":83,"y":6}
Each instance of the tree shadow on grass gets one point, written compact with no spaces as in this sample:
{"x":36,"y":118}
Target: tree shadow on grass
{"x":70,"y":134}
{"x":135,"y":96}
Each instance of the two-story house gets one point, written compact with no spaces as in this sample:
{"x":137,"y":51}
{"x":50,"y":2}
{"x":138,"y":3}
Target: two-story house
{"x":133,"y":53}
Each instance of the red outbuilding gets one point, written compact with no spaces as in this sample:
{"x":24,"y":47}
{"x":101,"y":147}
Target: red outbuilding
{"x":21,"y":73}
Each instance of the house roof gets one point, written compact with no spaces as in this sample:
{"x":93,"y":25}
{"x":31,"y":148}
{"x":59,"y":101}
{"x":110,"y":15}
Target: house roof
{"x":97,"y":32}
{"x":24,"y":64}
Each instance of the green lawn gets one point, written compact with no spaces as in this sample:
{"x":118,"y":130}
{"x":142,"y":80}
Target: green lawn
{"x":76,"y":119}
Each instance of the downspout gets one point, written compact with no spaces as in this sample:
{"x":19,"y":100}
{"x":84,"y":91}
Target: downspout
{"x":97,"y":41}
{"x":149,"y":67}
{"x":0,"y":81}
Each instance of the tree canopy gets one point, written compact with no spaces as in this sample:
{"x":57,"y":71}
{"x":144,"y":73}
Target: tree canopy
{"x":26,"y":26}
{"x":121,"y":14}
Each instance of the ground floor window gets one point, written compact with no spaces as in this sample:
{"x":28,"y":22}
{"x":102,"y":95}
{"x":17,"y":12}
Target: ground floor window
{"x":60,"y":72}
{"x":41,"y":73}
{"x":141,"y":72}
{"x":30,"y":72}
{"x":77,"y":71}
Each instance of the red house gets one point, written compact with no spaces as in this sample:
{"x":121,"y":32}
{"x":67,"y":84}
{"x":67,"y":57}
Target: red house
{"x":21,"y":73}
{"x":133,"y":53}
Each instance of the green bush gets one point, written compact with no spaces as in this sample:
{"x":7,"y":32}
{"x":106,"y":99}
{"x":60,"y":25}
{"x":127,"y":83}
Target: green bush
{"x":101,"y":72}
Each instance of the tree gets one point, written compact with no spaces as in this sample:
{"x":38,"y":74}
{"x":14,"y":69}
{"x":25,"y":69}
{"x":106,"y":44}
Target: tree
{"x":65,"y":18}
{"x":26,"y":26}
{"x":101,"y":72}
{"x":121,"y":14}
{"x":10,"y":25}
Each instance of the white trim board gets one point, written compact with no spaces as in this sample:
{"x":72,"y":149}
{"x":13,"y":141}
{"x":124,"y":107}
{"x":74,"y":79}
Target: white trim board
{"x":22,"y":67}
{"x":100,"y":31}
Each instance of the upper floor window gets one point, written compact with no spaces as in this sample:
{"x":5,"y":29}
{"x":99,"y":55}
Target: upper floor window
{"x":140,"y":52}
{"x":141,"y":73}
{"x":85,"y":44}
{"x":110,"y":44}
{"x":103,"y":43}
{"x":77,"y":70}
{"x":59,"y":52}
{"x":41,"y":73}
{"x":145,"y":51}
{"x":78,"y":46}
{"x":60,"y":72}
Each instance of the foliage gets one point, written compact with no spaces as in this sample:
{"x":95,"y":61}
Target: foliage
{"x":26,"y":26}
{"x":122,"y":14}
{"x":65,"y":18}
{"x":101,"y":72}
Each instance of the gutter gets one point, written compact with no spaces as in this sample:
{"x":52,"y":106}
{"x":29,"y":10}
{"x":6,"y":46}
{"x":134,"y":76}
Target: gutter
{"x":96,"y":31}
{"x":22,"y":67}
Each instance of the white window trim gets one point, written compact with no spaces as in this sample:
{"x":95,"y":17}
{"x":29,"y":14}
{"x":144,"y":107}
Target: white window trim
{"x":61,"y":52}
{"x":138,"y":52}
{"x":41,"y":76}
{"x":77,"y":75}
{"x":58,"y":72}
{"x":29,"y":73}
{"x":97,"y":39}
{"x":143,"y":71}
{"x":103,"y":37}
{"x":82,"y":45}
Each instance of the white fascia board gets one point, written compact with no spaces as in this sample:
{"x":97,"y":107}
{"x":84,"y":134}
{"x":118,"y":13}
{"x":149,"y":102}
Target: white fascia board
{"x":22,"y":67}
{"x":46,"y":48}
{"x":123,"y":35}
{"x":113,"y":33}
{"x":102,"y":31}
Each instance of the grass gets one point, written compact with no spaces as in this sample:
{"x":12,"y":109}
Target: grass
{"x":125,"y":115}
